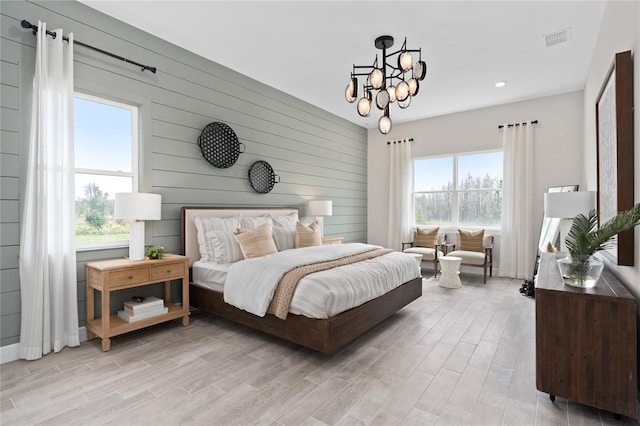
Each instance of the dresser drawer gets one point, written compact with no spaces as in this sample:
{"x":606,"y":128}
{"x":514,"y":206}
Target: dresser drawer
{"x":171,"y":270}
{"x":130,"y":276}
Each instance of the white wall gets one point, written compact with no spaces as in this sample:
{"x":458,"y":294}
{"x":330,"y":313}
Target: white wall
{"x":619,"y":32}
{"x":558,"y":148}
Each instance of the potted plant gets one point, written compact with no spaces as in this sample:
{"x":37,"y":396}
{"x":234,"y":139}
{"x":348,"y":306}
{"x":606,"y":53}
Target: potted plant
{"x":581,"y":269}
{"x":155,"y":252}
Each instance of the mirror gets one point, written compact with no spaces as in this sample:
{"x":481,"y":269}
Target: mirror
{"x":550,"y":230}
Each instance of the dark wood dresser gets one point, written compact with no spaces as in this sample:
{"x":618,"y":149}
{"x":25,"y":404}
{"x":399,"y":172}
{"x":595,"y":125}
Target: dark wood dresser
{"x":586,"y":341}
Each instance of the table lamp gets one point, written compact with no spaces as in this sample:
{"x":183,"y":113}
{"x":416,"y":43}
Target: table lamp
{"x":320,"y":208}
{"x":137,"y":207}
{"x":566,"y":206}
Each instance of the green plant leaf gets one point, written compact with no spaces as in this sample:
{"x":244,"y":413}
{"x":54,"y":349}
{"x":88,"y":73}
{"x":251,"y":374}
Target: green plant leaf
{"x":585,"y":238}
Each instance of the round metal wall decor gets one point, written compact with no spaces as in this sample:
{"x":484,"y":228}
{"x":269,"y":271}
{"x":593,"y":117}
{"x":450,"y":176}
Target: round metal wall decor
{"x":219,"y":145}
{"x":262,"y":177}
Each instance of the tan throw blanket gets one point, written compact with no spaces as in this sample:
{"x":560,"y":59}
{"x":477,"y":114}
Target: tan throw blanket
{"x":281,"y":300}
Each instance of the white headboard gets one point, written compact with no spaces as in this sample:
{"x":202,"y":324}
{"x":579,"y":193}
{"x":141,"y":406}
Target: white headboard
{"x":189,"y":235}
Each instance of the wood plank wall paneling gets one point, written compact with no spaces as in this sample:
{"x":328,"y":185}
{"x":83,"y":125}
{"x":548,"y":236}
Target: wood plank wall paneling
{"x":316,"y":154}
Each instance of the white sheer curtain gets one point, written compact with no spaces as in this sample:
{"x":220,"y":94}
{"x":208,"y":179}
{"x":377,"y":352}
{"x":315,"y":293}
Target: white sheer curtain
{"x":49,"y":319}
{"x":400,"y":190}
{"x":517,"y":241}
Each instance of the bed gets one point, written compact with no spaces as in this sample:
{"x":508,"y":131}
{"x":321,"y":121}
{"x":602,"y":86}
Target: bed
{"x":326,"y":335}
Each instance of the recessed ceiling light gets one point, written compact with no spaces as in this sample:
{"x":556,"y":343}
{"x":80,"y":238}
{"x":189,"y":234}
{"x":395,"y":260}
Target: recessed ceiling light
{"x":501,"y":84}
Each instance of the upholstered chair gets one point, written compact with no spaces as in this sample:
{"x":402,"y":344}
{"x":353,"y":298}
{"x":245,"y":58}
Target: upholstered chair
{"x":428,"y":244}
{"x":475,"y":249}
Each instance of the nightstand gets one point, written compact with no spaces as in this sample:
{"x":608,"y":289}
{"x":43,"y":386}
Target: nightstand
{"x":107,"y":276}
{"x":332,"y":239}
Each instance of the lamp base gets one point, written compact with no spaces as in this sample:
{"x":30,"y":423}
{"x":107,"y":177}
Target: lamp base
{"x":136,"y":240}
{"x":320,"y":221}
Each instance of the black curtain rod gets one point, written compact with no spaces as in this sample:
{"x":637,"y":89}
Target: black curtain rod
{"x":403,"y":140}
{"x":26,"y":24}
{"x":517,"y":124}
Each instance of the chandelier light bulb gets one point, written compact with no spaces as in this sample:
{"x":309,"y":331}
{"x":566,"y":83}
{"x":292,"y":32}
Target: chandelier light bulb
{"x":384,"y":124}
{"x":420,"y":70}
{"x":376,"y":78}
{"x":414,"y":86}
{"x":382,"y":99}
{"x":402,"y":91}
{"x":405,"y":61}
{"x":364,"y":106}
{"x":351,"y":92}
{"x":391,"y":90}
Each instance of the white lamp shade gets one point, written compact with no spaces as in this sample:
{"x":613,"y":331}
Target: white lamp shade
{"x":138,"y":206}
{"x":567,"y":205}
{"x":320,"y":208}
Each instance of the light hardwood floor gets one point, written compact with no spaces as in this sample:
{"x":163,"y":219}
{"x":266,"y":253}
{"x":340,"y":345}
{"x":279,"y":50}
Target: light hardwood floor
{"x":453,"y":357}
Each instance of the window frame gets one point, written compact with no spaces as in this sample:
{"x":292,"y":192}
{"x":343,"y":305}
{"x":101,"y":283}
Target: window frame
{"x":455,"y":211}
{"x":135,"y":163}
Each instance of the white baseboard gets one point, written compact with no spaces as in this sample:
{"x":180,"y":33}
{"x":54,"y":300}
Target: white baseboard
{"x":10,"y":352}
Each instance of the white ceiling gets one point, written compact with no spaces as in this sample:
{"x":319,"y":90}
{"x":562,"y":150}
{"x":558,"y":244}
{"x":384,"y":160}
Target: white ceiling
{"x":307,"y":48}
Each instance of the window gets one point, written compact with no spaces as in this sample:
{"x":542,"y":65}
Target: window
{"x":106,"y":161}
{"x":458,"y":190}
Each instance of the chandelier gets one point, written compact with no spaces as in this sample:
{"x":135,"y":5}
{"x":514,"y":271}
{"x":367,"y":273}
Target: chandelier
{"x":391,"y":82}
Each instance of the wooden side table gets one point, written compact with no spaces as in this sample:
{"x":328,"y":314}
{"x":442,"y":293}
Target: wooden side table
{"x":332,"y":239}
{"x":117,"y":274}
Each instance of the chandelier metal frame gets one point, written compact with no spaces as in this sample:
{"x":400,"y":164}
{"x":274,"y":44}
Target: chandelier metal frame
{"x":389,"y":80}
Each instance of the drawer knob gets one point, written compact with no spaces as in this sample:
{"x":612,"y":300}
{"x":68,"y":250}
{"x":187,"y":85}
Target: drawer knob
{"x":168,"y":271}
{"x":130,"y":277}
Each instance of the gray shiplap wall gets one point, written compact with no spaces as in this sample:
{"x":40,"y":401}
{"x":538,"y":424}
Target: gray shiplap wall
{"x":316,"y":154}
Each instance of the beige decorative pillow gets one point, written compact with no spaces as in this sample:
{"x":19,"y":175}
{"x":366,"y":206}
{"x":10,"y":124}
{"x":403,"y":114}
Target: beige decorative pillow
{"x":307,"y":236}
{"x":471,"y":241}
{"x":256,"y":242}
{"x":426,"y":237}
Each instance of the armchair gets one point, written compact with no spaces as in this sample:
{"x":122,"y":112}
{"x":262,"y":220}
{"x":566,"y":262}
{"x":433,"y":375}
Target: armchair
{"x":427,"y":243}
{"x":475,"y":249}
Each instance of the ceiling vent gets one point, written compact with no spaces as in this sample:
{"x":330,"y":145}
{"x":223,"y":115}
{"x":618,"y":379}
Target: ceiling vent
{"x":557,"y":37}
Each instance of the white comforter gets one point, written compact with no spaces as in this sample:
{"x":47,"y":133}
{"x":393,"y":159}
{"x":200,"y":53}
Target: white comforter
{"x":251,"y":283}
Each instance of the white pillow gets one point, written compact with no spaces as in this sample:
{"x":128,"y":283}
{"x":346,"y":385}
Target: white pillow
{"x":252,"y":222}
{"x":285,"y":239}
{"x":285,"y":221}
{"x":208,"y":224}
{"x":284,"y":231}
{"x":225,"y":245}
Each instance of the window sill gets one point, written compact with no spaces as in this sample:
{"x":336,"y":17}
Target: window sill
{"x":448,"y":229}
{"x":102,"y":246}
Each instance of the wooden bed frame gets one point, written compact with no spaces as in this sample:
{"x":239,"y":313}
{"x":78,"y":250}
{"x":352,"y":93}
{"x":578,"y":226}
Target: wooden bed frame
{"x":323,"y":335}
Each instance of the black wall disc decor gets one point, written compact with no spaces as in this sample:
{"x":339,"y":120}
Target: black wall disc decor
{"x":261,"y":177}
{"x":219,"y":145}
